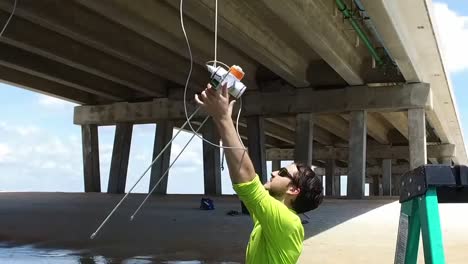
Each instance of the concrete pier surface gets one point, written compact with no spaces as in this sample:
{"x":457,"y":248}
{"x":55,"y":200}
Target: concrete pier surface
{"x":173,"y":228}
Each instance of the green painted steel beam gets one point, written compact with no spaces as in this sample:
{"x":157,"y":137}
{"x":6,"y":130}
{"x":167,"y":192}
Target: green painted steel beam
{"x":347,"y":14}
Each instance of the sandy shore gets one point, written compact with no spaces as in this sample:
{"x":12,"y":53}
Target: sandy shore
{"x":172,"y":227}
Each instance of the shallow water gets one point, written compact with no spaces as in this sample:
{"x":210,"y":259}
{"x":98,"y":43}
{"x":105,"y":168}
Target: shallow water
{"x":27,"y":254}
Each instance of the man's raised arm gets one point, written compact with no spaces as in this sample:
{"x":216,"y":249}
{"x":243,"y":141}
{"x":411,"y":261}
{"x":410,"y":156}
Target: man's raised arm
{"x":216,"y":104}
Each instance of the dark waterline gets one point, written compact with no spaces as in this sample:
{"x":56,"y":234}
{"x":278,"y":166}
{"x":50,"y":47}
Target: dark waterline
{"x":28,"y":254}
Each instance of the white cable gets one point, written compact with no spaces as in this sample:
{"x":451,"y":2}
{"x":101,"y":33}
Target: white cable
{"x":141,"y":177}
{"x":167,"y":170}
{"x":237,"y":124}
{"x":188,"y":79}
{"x":216,"y":35}
{"x":220,"y":62}
{"x":9,"y":18}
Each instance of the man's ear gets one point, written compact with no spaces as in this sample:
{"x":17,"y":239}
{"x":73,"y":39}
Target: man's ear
{"x":293,"y":190}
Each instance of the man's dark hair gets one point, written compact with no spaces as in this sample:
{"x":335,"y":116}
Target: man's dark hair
{"x":311,"y":194}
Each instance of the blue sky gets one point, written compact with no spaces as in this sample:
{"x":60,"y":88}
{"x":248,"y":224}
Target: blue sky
{"x":40,"y":148}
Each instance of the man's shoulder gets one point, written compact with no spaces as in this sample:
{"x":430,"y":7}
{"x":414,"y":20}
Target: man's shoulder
{"x":296,"y":220}
{"x":288,"y":217}
{"x":253,"y":184}
{"x":295,"y":228}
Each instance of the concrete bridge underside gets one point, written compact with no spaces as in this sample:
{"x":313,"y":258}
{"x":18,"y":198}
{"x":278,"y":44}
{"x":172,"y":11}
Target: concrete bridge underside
{"x":319,"y":92}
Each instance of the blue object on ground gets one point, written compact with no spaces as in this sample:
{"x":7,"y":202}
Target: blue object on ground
{"x":206,"y":204}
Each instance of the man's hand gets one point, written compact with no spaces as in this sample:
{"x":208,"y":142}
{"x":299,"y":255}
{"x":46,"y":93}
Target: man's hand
{"x":216,"y":103}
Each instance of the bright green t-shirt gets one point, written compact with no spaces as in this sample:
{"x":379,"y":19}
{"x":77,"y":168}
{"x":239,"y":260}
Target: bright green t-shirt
{"x":278,"y":233}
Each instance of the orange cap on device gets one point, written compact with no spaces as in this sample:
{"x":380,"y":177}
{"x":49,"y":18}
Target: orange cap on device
{"x":237,"y":71}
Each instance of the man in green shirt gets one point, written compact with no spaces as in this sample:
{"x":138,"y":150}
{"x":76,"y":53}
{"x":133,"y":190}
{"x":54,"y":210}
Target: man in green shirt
{"x":278,"y":233}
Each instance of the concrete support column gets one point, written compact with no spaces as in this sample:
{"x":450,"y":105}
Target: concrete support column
{"x":387,"y":177}
{"x":375,"y":185}
{"x":275,"y":165}
{"x":92,"y":176}
{"x":163,"y":135}
{"x":211,"y":160}
{"x":256,"y":145}
{"x":304,"y":138}
{"x":357,"y":154}
{"x":336,"y":185}
{"x":396,"y":184}
{"x":417,"y":137}
{"x":329,"y":175}
{"x":120,"y":155}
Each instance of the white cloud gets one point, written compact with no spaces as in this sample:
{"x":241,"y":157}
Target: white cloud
{"x":105,"y":152}
{"x":4,"y":152}
{"x":48,"y":165}
{"x":52,"y":102}
{"x":34,"y":159}
{"x":106,"y":130}
{"x":191,"y":156}
{"x":21,"y":130}
{"x":141,"y":157}
{"x":53,"y":145}
{"x":453,"y":32}
{"x":144,"y":130}
{"x":25,"y":131}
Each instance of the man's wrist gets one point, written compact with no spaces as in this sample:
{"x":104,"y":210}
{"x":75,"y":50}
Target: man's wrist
{"x":222,"y":121}
{"x":223,"y":124}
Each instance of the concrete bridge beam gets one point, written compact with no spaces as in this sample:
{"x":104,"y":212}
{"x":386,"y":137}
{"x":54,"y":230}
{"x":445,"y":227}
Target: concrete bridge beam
{"x":348,"y":99}
{"x":442,"y":151}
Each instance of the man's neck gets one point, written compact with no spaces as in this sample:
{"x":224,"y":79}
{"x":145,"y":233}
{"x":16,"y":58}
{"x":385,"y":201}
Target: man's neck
{"x":288,"y":203}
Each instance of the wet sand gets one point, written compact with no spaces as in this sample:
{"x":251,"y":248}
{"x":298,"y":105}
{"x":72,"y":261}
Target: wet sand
{"x":173,"y":228}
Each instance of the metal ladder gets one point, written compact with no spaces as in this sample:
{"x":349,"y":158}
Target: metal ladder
{"x":422,"y":189}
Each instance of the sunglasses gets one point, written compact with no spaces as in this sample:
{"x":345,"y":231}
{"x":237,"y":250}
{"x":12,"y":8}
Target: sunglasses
{"x":283,"y":172}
